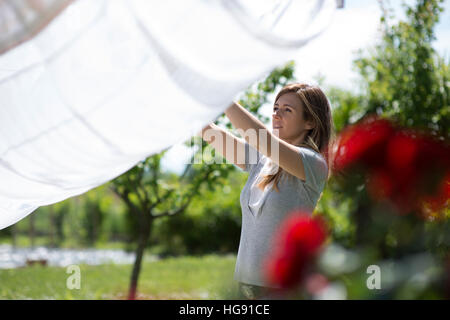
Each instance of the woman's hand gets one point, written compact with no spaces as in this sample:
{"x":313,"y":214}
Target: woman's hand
{"x":228,"y":145}
{"x":284,"y":154}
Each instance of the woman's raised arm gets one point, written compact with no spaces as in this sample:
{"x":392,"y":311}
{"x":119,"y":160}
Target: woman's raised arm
{"x":228,"y":145}
{"x":281,"y":152}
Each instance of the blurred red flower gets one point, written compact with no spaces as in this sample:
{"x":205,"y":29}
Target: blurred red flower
{"x":315,"y":283}
{"x":398,"y":178}
{"x":380,"y":184}
{"x":403,"y":166}
{"x":363,"y":143}
{"x":295,"y":245}
{"x":419,"y":166}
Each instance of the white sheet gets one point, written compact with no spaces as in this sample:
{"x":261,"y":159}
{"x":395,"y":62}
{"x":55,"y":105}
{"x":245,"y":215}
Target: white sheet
{"x":103,"y":84}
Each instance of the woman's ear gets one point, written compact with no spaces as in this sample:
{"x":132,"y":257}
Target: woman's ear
{"x":310,"y":125}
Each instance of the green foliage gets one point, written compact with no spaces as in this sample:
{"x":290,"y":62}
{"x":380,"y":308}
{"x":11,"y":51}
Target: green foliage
{"x":336,"y":208}
{"x":93,"y":211}
{"x":345,"y":107}
{"x":404,"y":80}
{"x":404,"y":77}
{"x":210,"y":224}
{"x":92,"y":219}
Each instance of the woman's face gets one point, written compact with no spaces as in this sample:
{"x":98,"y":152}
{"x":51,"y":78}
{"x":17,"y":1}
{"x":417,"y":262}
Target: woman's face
{"x":287,"y":119}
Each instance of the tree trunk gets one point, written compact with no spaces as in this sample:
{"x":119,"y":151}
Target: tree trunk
{"x":14,"y":235}
{"x":31,"y":234}
{"x":144,"y":234}
{"x":75,"y":220}
{"x":94,"y":227}
{"x":59,"y":224}
{"x":52,"y":226}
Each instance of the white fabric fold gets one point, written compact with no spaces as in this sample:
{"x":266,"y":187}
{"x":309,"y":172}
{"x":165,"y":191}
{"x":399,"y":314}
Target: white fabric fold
{"x":102,"y":84}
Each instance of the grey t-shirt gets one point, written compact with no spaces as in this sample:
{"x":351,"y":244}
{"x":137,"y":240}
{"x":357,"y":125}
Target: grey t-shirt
{"x":258,"y":229}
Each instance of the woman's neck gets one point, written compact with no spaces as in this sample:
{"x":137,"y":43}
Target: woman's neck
{"x":296,"y":141}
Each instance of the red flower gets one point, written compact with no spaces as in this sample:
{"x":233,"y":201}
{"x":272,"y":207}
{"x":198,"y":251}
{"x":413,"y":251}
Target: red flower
{"x":401,"y":174}
{"x":402,"y":151}
{"x":362,"y":143}
{"x":380,"y":185}
{"x":296,"y":244}
{"x":402,"y":166}
{"x":433,"y":154}
{"x":419,"y":165}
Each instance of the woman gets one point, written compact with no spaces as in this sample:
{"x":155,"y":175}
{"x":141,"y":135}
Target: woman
{"x":288,"y":170}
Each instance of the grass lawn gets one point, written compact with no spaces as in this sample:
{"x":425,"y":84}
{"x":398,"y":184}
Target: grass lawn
{"x":206,"y":277}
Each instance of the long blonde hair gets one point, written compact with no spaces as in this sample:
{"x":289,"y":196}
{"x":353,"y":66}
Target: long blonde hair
{"x":316,"y":108}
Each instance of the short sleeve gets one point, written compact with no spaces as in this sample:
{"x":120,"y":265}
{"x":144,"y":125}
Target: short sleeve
{"x":316,"y":169}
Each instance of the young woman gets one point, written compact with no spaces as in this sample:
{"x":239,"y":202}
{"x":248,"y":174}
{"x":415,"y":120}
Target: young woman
{"x":288,"y":170}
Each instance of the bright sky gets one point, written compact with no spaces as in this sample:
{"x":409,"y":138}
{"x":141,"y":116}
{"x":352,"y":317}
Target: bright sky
{"x":331,"y":54}
{"x":353,"y":28}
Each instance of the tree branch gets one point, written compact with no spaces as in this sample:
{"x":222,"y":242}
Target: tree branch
{"x":189,"y":197}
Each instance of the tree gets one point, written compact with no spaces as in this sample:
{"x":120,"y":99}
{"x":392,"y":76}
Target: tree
{"x":148,"y":197}
{"x":92,"y":216}
{"x":403,"y":76}
{"x":405,"y":79}
{"x":405,"y":82}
